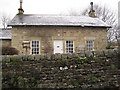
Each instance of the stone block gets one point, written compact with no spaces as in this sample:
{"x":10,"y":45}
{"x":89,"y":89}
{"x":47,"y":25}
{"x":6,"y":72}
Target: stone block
{"x":81,"y":54}
{"x":64,"y":56}
{"x":16,"y":58}
{"x":31,"y":57}
{"x":56,"y":56}
{"x":88,"y":54}
{"x":70,"y":56}
{"x":53,"y":57}
{"x":99,"y":54}
{"x":106,"y":53}
{"x":5,"y":58}
{"x":37,"y":57}
{"x":48,"y":56}
{"x":117,"y":51}
{"x":111,"y":53}
{"x":42,"y":57}
{"x":74,"y":55}
{"x":24,"y":57}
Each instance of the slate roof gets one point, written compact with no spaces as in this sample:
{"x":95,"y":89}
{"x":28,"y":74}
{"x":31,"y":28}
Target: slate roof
{"x":5,"y":34}
{"x":55,"y":20}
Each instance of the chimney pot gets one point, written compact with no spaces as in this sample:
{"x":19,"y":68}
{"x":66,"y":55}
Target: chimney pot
{"x":92,"y":11}
{"x":91,"y":3}
{"x":20,"y":10}
{"x":21,"y":0}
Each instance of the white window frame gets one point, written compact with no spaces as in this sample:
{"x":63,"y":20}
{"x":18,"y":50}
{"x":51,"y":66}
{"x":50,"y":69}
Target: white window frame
{"x":68,"y":47}
{"x":90,"y":46}
{"x":34,"y":47}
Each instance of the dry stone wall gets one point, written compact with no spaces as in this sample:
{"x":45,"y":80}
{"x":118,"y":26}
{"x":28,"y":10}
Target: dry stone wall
{"x":91,"y":70}
{"x":106,"y":53}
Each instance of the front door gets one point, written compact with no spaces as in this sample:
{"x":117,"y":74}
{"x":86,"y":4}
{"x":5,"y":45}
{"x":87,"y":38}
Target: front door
{"x":58,"y":46}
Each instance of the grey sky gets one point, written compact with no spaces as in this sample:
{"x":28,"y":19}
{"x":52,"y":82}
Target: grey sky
{"x":10,"y":7}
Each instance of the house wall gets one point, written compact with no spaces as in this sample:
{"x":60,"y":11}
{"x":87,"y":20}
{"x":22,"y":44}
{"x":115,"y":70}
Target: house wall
{"x":5,"y":42}
{"x":47,"y":35}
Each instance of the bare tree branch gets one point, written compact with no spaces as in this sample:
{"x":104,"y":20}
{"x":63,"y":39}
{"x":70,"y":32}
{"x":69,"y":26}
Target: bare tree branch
{"x":4,"y":20}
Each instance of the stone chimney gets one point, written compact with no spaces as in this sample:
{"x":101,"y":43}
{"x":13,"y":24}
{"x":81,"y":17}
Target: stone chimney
{"x":92,"y":12}
{"x":20,"y":10}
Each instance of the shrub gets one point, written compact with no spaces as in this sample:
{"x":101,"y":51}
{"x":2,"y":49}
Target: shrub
{"x":20,"y":82}
{"x":92,"y":79}
{"x":113,"y":67}
{"x":7,"y":50}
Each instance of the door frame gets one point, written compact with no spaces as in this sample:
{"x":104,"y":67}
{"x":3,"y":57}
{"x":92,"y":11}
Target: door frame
{"x":54,"y":45}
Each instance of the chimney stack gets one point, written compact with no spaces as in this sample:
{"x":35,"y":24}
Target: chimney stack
{"x":92,"y":11}
{"x":20,"y":10}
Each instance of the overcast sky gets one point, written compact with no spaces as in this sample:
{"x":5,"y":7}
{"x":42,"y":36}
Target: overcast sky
{"x":10,"y":7}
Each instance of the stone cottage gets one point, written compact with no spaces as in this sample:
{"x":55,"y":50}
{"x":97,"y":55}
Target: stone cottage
{"x":5,"y":37}
{"x":41,"y":34}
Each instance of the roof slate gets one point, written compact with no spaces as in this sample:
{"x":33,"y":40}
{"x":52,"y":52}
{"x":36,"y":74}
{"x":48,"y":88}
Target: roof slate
{"x":5,"y":34}
{"x":56,"y":20}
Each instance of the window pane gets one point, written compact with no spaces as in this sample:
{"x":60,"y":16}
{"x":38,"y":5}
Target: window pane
{"x":90,"y":45}
{"x":69,"y":46}
{"x":35,"y":47}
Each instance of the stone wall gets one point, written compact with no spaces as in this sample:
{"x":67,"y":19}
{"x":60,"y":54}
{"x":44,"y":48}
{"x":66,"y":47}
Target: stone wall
{"x":47,"y":34}
{"x":6,"y":42}
{"x":79,"y":70}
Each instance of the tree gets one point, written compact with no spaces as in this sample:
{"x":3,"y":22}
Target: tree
{"x":5,"y":20}
{"x":118,"y":35}
{"x":109,"y":17}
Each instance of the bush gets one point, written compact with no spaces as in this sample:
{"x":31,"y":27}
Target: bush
{"x":9,"y":51}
